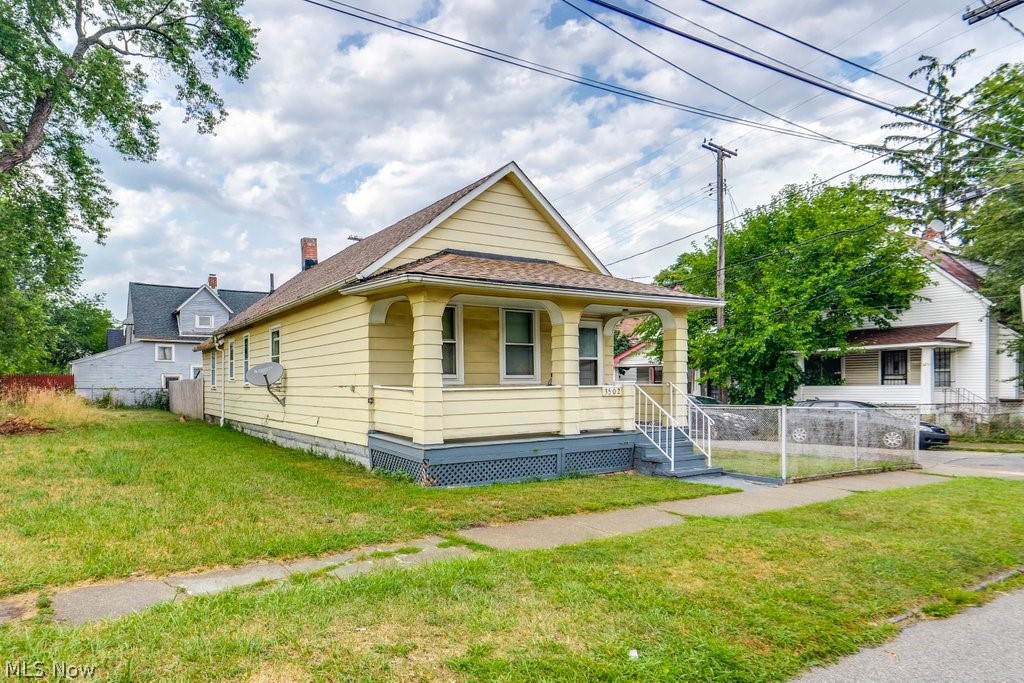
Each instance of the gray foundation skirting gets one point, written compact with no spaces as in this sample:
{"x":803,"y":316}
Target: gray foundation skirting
{"x":487,"y":462}
{"x":330,"y":448}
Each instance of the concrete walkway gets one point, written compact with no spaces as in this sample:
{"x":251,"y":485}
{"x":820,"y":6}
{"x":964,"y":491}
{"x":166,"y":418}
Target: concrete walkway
{"x":92,"y":603}
{"x":980,"y":644}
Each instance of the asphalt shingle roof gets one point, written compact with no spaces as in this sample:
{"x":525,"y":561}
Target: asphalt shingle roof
{"x":910,"y":334}
{"x":153,"y":307}
{"x":508,"y":270}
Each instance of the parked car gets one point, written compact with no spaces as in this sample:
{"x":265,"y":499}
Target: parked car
{"x":884,"y":434}
{"x":733,"y":425}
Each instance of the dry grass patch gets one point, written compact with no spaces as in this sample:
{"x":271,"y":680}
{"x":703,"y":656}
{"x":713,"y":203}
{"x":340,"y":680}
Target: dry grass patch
{"x":49,"y":408}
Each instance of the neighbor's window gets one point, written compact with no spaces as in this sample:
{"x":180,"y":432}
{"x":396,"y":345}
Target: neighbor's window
{"x":167,"y":379}
{"x":590,"y":355}
{"x":204,"y":321}
{"x":894,"y":367}
{"x":197,"y":371}
{"x":943,"y":365}
{"x":231,"y":360}
{"x":519,"y":345}
{"x":450,"y":334}
{"x":245,"y":356}
{"x":275,"y":345}
{"x":165,"y":352}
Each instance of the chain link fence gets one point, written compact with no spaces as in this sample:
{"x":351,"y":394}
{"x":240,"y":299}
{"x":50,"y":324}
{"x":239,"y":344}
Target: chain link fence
{"x":995,"y":422}
{"x":792,"y":443}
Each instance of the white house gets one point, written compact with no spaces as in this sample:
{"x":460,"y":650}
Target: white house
{"x":947,"y":348}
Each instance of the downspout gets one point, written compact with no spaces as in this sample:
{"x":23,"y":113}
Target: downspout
{"x":223,"y":386}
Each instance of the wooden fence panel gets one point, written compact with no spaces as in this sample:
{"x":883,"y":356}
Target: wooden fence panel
{"x":186,"y":397}
{"x":16,"y":384}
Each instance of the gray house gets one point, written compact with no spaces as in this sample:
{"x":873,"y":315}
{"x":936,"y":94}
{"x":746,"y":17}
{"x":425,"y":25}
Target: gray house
{"x":163,"y":325}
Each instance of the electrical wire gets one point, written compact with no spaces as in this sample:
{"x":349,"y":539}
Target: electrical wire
{"x":815,"y":82}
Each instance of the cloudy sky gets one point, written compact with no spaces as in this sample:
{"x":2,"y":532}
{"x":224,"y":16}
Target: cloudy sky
{"x":345,"y":127}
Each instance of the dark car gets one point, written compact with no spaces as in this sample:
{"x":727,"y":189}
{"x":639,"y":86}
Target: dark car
{"x":729,"y":424}
{"x":928,"y":434}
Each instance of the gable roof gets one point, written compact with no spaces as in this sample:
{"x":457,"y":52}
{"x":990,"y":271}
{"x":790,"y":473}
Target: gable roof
{"x":153,"y":307}
{"x":212,"y":292}
{"x":952,"y":266}
{"x":361,"y":259}
{"x":115,"y":338}
{"x":465,"y":266}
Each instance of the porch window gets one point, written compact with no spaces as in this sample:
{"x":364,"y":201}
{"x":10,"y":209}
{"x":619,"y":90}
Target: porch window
{"x":519,"y":346}
{"x":894,"y":367}
{"x":275,"y":345}
{"x":590,"y":355}
{"x":942,"y":362}
{"x":451,"y":334}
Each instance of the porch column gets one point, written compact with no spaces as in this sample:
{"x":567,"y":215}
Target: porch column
{"x":565,"y":367}
{"x":428,"y":401}
{"x":927,"y":375}
{"x":674,"y":350}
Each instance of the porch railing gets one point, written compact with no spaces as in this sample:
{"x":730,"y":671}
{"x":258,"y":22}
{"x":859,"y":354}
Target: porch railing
{"x":655,"y":423}
{"x":698,"y":426}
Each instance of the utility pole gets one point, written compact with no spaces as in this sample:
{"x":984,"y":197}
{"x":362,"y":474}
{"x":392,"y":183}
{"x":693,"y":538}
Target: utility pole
{"x":721,"y":154}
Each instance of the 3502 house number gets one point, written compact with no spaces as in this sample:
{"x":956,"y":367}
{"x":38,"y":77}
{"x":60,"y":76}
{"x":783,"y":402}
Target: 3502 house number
{"x":612,"y":390}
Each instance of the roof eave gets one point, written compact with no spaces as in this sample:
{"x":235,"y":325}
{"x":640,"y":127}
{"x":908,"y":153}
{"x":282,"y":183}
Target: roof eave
{"x":231,"y":327}
{"x":491,"y":286}
{"x":931,"y":343}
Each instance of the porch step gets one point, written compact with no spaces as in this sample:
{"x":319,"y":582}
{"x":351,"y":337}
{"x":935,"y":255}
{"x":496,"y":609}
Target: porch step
{"x":691,"y":472}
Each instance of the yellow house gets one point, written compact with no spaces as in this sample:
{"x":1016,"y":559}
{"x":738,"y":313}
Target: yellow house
{"x":469,"y":342}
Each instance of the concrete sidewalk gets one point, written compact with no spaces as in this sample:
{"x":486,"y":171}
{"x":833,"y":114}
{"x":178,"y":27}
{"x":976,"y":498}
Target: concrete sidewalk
{"x":92,"y":603}
{"x":980,"y":644}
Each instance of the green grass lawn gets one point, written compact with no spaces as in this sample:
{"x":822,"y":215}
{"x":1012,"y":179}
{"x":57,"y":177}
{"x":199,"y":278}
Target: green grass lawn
{"x":728,"y":599}
{"x":768,"y":464}
{"x":141,"y":492}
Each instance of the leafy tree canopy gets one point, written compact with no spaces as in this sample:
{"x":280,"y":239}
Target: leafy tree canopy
{"x":806,"y":269}
{"x":72,"y":72}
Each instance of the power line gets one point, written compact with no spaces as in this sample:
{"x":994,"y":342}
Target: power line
{"x":701,"y":80}
{"x":497,"y":55}
{"x":815,"y":82}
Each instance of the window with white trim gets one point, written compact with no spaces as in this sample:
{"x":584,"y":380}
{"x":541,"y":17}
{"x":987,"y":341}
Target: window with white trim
{"x":167,"y":379}
{"x":275,"y":345}
{"x":245,"y":356}
{"x":213,"y":368}
{"x":451,"y":345}
{"x":197,"y":371}
{"x":590,"y":354}
{"x":231,"y":360}
{"x":520,"y":352}
{"x":943,"y":367}
{"x":165,"y":353}
{"x":204,"y":322}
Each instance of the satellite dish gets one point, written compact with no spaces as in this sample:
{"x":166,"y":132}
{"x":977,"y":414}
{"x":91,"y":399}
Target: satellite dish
{"x":265,"y":374}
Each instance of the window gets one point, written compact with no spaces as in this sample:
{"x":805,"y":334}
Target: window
{"x":590,"y":355}
{"x":245,"y":356}
{"x":165,"y":353}
{"x":942,"y":363}
{"x":167,"y":379}
{"x":894,"y":367}
{"x":519,"y":348}
{"x":197,"y":371}
{"x":231,"y":361}
{"x":451,"y":334}
{"x":275,"y":345}
{"x":204,"y":321}
{"x":213,"y":368}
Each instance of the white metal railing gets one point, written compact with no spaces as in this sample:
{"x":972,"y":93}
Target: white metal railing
{"x":655,"y":423}
{"x":698,"y":426}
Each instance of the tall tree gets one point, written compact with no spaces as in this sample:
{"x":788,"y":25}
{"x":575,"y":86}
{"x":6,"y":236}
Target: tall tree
{"x":72,"y":71}
{"x":996,"y":114}
{"x":808,"y":268}
{"x":932,"y":175}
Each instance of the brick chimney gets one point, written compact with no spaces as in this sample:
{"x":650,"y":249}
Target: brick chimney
{"x":211,"y":280}
{"x":308,"y":246}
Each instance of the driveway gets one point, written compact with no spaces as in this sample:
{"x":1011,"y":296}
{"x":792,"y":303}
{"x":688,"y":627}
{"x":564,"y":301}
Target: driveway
{"x":982,"y":644}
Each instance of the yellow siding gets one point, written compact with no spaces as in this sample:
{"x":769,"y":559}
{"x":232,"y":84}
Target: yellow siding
{"x":485,"y":413}
{"x":598,"y":411}
{"x":391,"y":411}
{"x":391,"y":348}
{"x":500,"y":221}
{"x":480,"y":342}
{"x":862,"y":368}
{"x":324,"y":351}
